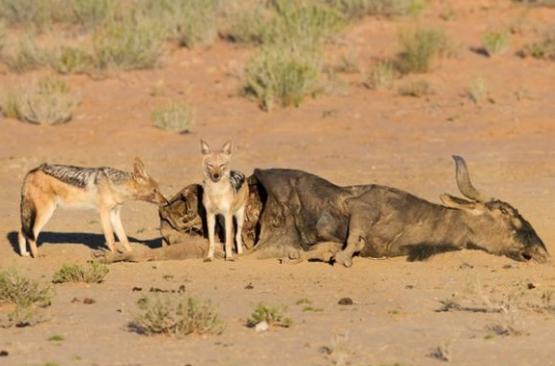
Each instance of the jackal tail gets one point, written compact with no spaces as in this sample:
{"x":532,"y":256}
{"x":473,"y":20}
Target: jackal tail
{"x":28,"y":217}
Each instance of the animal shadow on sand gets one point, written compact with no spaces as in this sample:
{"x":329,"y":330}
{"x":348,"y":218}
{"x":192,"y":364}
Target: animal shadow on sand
{"x":422,"y":252}
{"x":93,"y":241}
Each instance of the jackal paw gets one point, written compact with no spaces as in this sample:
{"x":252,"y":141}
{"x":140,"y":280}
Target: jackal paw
{"x":344,"y":258}
{"x":25,"y":254}
{"x":208,"y":259}
{"x":229,"y":258}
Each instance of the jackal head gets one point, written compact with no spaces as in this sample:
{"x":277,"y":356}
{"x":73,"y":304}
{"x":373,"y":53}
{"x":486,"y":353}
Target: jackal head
{"x":215,"y":164}
{"x":145,"y":188}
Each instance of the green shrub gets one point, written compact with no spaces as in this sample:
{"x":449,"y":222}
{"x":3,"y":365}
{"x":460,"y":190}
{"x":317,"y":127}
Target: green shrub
{"x":71,"y":60}
{"x":282,"y":74}
{"x":177,"y":316}
{"x":302,"y":23}
{"x":495,"y":42}
{"x":174,"y":117}
{"x":272,"y":315}
{"x":128,"y":44}
{"x":46,"y":101}
{"x":95,"y":273}
{"x":544,"y":49}
{"x":26,"y":295}
{"x":382,"y":76}
{"x":418,"y":49}
{"x":354,"y":9}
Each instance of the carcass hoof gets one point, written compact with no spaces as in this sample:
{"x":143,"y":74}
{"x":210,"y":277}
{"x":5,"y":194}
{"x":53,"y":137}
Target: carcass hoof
{"x":344,"y":258}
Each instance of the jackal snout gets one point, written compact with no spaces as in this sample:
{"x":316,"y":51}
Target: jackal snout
{"x":215,"y":164}
{"x":145,"y":187}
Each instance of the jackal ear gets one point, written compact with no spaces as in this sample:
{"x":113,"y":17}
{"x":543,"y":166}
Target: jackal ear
{"x":204,"y":147}
{"x":226,"y":149}
{"x":139,"y":170}
{"x":461,"y":204}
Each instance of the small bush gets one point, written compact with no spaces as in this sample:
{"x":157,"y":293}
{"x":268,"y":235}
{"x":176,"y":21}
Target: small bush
{"x":272,"y":315}
{"x":71,"y":60}
{"x":355,"y":9}
{"x":95,"y":273}
{"x":128,"y":44}
{"x":247,"y":25}
{"x":419,"y":47}
{"x":544,"y":49}
{"x":417,"y":89}
{"x":56,"y":338}
{"x":26,"y":295}
{"x":176,"y":316}
{"x":382,"y":76}
{"x":34,"y":13}
{"x":91,"y":13}
{"x":477,"y":90}
{"x":25,"y":55}
{"x":495,"y":42}
{"x":174,"y":117}
{"x":47,"y":101}
{"x":303,"y":23}
{"x":2,"y":34}
{"x":546,"y":3}
{"x":282,"y":74}
{"x":197,"y":22}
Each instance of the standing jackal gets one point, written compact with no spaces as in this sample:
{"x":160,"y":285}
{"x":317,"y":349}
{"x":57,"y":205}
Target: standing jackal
{"x":225,"y":192}
{"x":49,"y":186}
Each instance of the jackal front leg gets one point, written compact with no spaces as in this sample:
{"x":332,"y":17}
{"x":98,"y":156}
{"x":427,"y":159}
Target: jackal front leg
{"x":211,"y":223}
{"x":107,"y":227}
{"x":228,"y":236}
{"x":239,"y":218}
{"x":115,"y":219}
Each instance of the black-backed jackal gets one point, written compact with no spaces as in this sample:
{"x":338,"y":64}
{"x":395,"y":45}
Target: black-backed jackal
{"x":105,"y":189}
{"x":225,"y":192}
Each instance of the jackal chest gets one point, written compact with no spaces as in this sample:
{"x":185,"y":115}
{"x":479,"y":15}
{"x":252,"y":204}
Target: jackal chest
{"x":218,"y":198}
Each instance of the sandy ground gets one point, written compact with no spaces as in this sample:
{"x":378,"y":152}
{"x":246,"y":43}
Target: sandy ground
{"x":353,"y":135}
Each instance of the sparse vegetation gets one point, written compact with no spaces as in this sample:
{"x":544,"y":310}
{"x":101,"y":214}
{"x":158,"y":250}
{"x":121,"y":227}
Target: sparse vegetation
{"x":71,"y":60}
{"x":94,"y":273}
{"x":91,"y":13}
{"x":544,"y":49}
{"x":418,"y":48}
{"x":176,"y":315}
{"x":46,"y":101}
{"x":56,"y":338}
{"x":441,"y":352}
{"x":24,"y":55}
{"x":477,"y":90}
{"x":354,"y":9}
{"x":339,"y":351}
{"x":381,"y":76}
{"x":247,"y":24}
{"x":27,"y":298}
{"x":283,"y":74}
{"x":415,"y":88}
{"x":274,"y":316}
{"x":174,"y":117}
{"x":133,"y":43}
{"x":495,"y":42}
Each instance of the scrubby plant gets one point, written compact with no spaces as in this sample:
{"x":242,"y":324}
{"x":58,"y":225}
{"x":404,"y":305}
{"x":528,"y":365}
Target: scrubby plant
{"x":34,"y":13}
{"x":26,"y":296}
{"x":495,"y":42}
{"x":381,"y":76}
{"x":247,"y":24}
{"x":94,"y":273}
{"x":91,"y":13}
{"x":46,"y":101}
{"x":24,"y":55}
{"x":2,"y":34}
{"x":543,"y":49}
{"x":176,"y":315}
{"x":132,"y":43}
{"x":355,"y":9}
{"x":418,"y":48}
{"x":415,"y":88}
{"x":282,"y":74}
{"x":71,"y":60}
{"x":272,"y":315}
{"x":174,"y":117}
{"x":477,"y":90}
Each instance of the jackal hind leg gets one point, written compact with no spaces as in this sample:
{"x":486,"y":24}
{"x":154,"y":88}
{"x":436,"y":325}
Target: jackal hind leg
{"x":107,"y":228}
{"x":239,"y":218}
{"x":44,"y":212}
